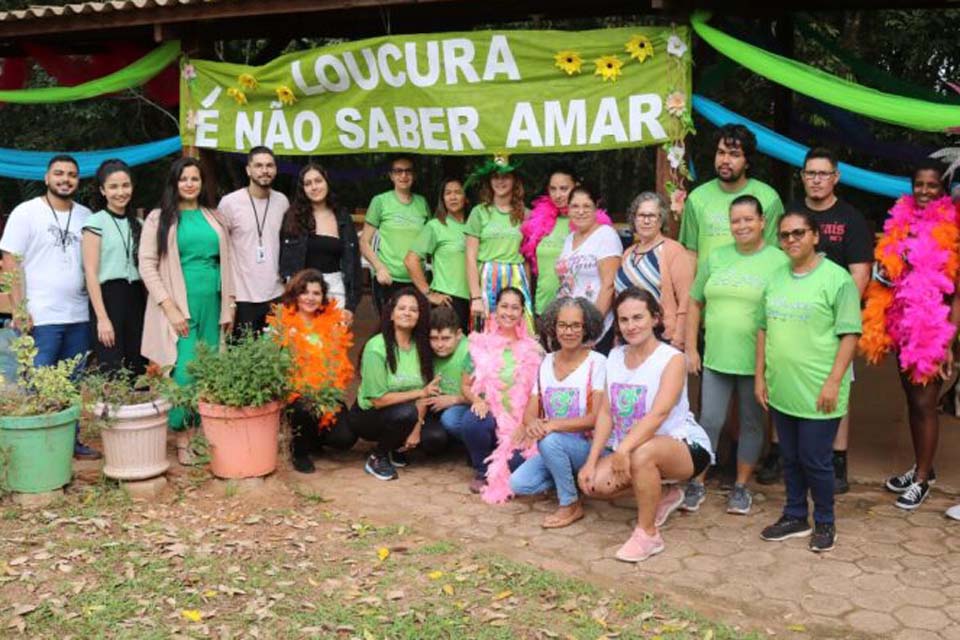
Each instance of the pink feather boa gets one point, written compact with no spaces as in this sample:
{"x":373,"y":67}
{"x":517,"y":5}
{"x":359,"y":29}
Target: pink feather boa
{"x":542,"y":220}
{"x":918,"y":318}
{"x":486,"y":351}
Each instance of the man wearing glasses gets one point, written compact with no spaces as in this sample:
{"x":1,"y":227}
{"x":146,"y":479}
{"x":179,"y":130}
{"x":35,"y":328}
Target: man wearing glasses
{"x":846,"y":240}
{"x":398,"y":215}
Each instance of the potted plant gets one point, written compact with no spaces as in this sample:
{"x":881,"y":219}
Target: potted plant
{"x":239,"y":393}
{"x":38,"y":414}
{"x":131,"y":418}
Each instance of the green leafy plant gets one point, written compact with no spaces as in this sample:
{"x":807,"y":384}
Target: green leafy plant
{"x":104,"y":392}
{"x":37,"y":390}
{"x":250,"y":372}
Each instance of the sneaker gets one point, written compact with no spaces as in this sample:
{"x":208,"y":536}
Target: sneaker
{"x":770,"y":470}
{"x":824,"y":537}
{"x":840,"y":484}
{"x":953,"y":512}
{"x":669,"y":502}
{"x":693,"y":496}
{"x":740,"y":500}
{"x":398,"y":459}
{"x":914,"y":496}
{"x":640,"y":546}
{"x":303,"y":464}
{"x":83,"y":452}
{"x":786,"y":527}
{"x":477,"y":485}
{"x":899,"y":484}
{"x":380,"y":468}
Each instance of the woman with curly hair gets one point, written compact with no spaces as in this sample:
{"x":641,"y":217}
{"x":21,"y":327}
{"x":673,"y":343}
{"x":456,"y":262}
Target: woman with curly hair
{"x":563,"y":408}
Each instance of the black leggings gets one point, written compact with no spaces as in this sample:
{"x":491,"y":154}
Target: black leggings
{"x":307,"y":436}
{"x":390,"y":427}
{"x":125,"y":303}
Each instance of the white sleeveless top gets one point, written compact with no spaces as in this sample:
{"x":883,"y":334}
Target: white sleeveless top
{"x":632,"y":391}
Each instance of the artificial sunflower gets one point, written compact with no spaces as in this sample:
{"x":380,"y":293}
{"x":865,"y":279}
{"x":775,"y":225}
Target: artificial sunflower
{"x":568,"y":61}
{"x":640,"y":47}
{"x":247,"y":81}
{"x":285,"y":95}
{"x":608,"y":67}
{"x":237,"y":95}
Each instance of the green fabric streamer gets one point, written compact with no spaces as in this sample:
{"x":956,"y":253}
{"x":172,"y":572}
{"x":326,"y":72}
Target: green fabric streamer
{"x":134,"y":75}
{"x":877,"y":77}
{"x":810,"y":81}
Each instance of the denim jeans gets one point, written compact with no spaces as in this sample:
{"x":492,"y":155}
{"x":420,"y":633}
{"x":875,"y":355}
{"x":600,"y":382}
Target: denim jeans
{"x":806,"y":446}
{"x":561,"y":456}
{"x":477,"y":434}
{"x":56,"y":342}
{"x":451,"y":417}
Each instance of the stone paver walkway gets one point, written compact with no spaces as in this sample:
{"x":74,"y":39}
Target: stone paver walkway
{"x":892,"y":575}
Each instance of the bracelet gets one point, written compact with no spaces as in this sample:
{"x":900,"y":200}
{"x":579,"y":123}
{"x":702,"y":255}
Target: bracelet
{"x":472,"y":298}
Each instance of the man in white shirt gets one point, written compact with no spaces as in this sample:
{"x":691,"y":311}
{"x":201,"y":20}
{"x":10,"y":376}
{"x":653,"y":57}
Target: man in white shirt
{"x":254,"y":215}
{"x":41,"y":240}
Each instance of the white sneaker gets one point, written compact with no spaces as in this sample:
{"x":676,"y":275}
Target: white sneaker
{"x":953,"y":512}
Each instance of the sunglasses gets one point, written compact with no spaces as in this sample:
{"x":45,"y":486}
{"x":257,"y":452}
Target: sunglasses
{"x":795,"y":234}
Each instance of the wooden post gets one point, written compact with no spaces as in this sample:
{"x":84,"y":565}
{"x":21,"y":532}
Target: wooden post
{"x":663,"y":176}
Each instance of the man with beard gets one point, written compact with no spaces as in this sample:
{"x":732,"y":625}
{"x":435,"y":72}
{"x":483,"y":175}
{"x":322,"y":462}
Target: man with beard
{"x":706,"y":215}
{"x":254,"y":215}
{"x":41,"y":240}
{"x":845,"y":238}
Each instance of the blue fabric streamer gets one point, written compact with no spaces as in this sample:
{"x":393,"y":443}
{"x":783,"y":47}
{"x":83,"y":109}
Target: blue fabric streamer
{"x":32,"y":165}
{"x":786,"y":150}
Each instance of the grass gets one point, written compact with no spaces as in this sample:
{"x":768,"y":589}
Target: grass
{"x":98,"y":566}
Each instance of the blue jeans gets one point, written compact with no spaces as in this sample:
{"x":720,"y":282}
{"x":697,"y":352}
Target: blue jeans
{"x":561,"y":456}
{"x":56,"y":342}
{"x":477,"y":434}
{"x":806,"y":446}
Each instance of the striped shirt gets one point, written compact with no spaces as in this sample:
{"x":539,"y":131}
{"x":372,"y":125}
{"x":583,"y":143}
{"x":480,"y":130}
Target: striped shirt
{"x":641,"y":270}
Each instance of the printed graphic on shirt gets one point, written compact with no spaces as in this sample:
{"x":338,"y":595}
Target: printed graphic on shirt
{"x":567,"y":270}
{"x":628,"y":403}
{"x":561,"y":402}
{"x":782,"y":308}
{"x":61,"y":238}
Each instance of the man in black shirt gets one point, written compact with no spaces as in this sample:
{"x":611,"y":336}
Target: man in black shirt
{"x":845,"y":238}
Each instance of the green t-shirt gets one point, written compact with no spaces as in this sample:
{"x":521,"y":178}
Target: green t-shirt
{"x":399,"y":224}
{"x":117,"y":253}
{"x":804,"y":317}
{"x":706,"y":216}
{"x":499,"y":237}
{"x":376,"y":379}
{"x":452,"y":368}
{"x":731,"y":285}
{"x":548,"y":251}
{"x":506,"y":374}
{"x":445,"y":244}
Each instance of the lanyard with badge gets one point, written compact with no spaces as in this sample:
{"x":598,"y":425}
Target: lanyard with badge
{"x":261,"y":252}
{"x":127,"y":240}
{"x":63,"y":233}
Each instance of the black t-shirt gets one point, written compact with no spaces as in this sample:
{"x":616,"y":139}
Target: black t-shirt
{"x":844,"y":235}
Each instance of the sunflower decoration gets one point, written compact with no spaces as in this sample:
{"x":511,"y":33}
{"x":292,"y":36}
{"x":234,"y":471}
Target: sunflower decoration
{"x":238,"y":95}
{"x":608,"y":67}
{"x":285,"y":95}
{"x":640,"y":48}
{"x":247,"y":81}
{"x":569,"y":62}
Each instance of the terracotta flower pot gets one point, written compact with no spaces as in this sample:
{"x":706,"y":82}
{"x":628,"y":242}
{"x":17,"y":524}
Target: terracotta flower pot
{"x":135,"y":443}
{"x":243,"y":442}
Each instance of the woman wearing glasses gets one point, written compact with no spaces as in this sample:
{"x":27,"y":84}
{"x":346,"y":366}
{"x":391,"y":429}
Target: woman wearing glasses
{"x":809,"y":326}
{"x":730,"y":285}
{"x":657,"y":264}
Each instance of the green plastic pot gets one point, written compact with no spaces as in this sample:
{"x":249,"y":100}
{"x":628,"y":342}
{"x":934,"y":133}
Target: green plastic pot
{"x":36,"y":452}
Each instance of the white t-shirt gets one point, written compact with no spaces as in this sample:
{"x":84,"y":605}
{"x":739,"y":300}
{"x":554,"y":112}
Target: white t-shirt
{"x":256,"y":274}
{"x":578,"y":270}
{"x":567,"y":398}
{"x":48,"y":243}
{"x":632,"y":391}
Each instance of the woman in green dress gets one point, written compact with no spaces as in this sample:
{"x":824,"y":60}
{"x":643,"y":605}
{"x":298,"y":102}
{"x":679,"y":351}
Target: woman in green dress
{"x":185,"y":265}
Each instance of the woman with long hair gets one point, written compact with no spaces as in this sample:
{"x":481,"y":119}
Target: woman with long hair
{"x":185,"y":265}
{"x":442,"y":241}
{"x":315,"y":331}
{"x":912,"y":309}
{"x":117,"y":298}
{"x":319,"y":234}
{"x":493,"y":260}
{"x":645,"y":434}
{"x":396,"y":372}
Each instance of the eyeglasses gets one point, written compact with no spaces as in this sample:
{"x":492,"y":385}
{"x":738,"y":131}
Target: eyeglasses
{"x":400,"y":172}
{"x":817,"y":175}
{"x":574,"y":327}
{"x":646,"y":217}
{"x":793,"y":234}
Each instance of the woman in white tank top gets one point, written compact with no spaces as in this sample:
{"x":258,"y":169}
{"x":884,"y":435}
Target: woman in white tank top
{"x":645,"y":433}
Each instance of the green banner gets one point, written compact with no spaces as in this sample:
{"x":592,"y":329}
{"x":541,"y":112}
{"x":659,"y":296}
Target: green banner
{"x":449,"y":93}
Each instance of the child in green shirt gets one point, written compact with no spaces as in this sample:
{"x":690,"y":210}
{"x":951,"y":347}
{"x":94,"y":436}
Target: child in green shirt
{"x":451,"y":359}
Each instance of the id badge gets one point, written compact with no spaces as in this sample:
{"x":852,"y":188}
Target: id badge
{"x":261,"y":255}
